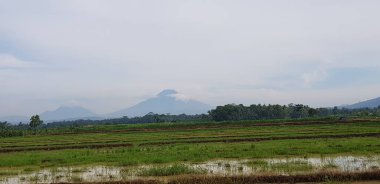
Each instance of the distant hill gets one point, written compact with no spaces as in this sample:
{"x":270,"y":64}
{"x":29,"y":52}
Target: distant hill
{"x":68,"y":113}
{"x":15,"y":119}
{"x":373,"y":103}
{"x":168,"y":101}
{"x":62,"y":113}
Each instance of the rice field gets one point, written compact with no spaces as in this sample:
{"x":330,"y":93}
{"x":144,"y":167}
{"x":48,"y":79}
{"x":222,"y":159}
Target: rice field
{"x":183,"y":149}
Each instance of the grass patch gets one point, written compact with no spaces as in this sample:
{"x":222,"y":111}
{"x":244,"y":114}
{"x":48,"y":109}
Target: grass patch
{"x":78,"y":170}
{"x":176,"y":169}
{"x":188,"y":152}
{"x":197,"y":151}
{"x":34,"y":178}
{"x":128,"y":163}
{"x":329,"y":166}
{"x":30,"y":169}
{"x":6,"y":173}
{"x":257,"y":163}
{"x":291,"y":166}
{"x":261,"y":165}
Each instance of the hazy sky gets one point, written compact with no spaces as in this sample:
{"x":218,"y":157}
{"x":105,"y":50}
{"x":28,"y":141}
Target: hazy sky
{"x":107,"y":55}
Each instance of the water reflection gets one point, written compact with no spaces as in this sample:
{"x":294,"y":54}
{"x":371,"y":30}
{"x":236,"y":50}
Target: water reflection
{"x":214,"y":167}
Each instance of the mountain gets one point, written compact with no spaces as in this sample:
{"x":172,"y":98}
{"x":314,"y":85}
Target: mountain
{"x":67,"y":113}
{"x":373,"y":103}
{"x":15,"y":119}
{"x":168,"y":101}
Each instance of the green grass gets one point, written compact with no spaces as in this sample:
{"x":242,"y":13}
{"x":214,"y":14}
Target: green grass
{"x":176,"y":169}
{"x":287,"y":167}
{"x":184,"y":133}
{"x":258,"y":164}
{"x":7,"y":172}
{"x":194,"y":152}
{"x":30,"y":169}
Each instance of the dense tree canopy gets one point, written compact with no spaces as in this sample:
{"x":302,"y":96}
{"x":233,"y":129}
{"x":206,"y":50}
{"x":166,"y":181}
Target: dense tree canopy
{"x":148,"y":118}
{"x":35,"y":121}
{"x":291,"y":111}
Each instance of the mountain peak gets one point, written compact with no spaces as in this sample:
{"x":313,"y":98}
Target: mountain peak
{"x":67,"y":112}
{"x":167,"y":101}
{"x":69,"y":107}
{"x":167,"y":92}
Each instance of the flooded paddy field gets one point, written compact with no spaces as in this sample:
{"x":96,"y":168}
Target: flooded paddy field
{"x":221,"y":167}
{"x":226,"y":151}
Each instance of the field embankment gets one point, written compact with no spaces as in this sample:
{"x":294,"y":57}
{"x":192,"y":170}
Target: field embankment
{"x":321,"y":177}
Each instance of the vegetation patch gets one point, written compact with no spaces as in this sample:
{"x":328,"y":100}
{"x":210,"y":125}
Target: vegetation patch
{"x":176,"y":169}
{"x":6,"y":173}
{"x":258,"y":164}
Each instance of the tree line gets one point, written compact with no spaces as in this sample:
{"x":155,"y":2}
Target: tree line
{"x":36,"y":125}
{"x":148,"y":118}
{"x":233,"y":112}
{"x":9,"y":130}
{"x":229,"y":112}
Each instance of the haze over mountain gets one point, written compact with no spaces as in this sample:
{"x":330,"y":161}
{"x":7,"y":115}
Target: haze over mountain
{"x":15,"y":119}
{"x":67,"y":112}
{"x":61,"y":113}
{"x":373,"y":103}
{"x":168,"y":101}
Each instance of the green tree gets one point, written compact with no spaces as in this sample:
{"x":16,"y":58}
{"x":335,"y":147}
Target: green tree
{"x":35,"y":121}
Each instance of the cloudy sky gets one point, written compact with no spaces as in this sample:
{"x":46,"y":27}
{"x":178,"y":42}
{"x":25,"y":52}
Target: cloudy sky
{"x":110,"y":54}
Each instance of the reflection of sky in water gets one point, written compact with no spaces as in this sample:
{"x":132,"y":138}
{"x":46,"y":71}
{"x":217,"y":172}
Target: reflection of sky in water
{"x":218,"y":167}
{"x":343,"y":163}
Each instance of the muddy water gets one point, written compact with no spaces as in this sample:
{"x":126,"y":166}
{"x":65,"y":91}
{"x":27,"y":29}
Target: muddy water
{"x":291,"y":165}
{"x":67,"y":174}
{"x":341,"y":163}
{"x":214,"y":167}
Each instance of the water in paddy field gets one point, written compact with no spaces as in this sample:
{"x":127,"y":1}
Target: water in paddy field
{"x":214,"y":167}
{"x":291,"y":165}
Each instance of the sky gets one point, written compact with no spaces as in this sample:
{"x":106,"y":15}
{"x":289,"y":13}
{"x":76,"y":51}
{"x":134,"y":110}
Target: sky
{"x":106,"y":55}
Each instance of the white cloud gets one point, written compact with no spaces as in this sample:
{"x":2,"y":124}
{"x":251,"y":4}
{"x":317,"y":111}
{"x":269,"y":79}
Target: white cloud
{"x":8,"y":61}
{"x":180,"y":97}
{"x":315,"y":76}
{"x":109,"y":55}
